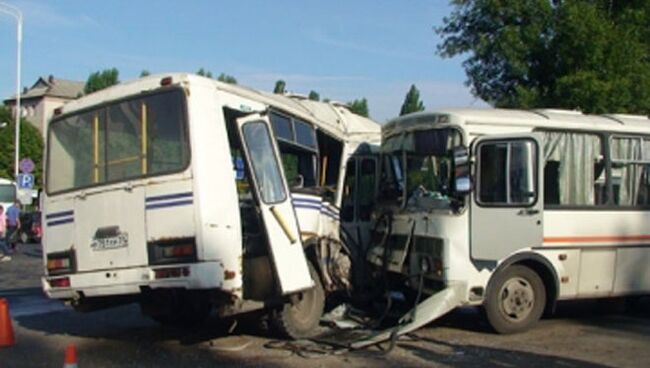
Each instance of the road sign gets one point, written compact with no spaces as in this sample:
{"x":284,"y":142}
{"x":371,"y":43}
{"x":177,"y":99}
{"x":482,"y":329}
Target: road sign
{"x":26,"y":165}
{"x":25,"y":181}
{"x":25,"y":196}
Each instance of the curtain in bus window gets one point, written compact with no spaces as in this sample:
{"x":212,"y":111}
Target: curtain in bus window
{"x":627,"y":174}
{"x":576,"y":153}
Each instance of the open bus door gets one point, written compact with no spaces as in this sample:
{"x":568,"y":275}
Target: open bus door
{"x":274,"y":200}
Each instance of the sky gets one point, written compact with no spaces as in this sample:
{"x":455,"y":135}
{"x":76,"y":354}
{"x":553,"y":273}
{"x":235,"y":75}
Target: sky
{"x":343,"y":50}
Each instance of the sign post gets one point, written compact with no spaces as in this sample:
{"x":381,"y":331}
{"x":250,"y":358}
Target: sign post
{"x":25,"y":181}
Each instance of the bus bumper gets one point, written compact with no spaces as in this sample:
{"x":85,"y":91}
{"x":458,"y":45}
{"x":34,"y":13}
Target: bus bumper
{"x":204,"y":275}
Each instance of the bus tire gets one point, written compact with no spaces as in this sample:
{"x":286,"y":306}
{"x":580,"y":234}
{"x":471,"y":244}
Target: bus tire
{"x":515,"y":300}
{"x":299,"y":319}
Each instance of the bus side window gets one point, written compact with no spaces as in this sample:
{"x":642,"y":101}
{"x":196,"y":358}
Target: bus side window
{"x":507,"y":173}
{"x":573,"y":174}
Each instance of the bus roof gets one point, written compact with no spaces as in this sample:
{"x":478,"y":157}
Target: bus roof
{"x":487,"y":118}
{"x":332,"y":117}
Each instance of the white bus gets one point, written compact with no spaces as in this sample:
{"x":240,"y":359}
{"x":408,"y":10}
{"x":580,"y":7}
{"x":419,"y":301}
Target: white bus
{"x":189,"y":195}
{"x":514,"y":210}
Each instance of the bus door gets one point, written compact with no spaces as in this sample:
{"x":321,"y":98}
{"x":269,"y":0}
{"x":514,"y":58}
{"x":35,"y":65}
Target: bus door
{"x":506,"y":210}
{"x":359,"y":191}
{"x":274,"y":200}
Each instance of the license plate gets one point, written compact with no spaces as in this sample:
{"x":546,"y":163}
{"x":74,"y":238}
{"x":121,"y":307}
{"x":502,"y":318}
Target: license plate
{"x":119,"y":241}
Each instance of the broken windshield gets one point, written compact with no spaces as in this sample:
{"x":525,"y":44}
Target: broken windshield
{"x":421,"y":167}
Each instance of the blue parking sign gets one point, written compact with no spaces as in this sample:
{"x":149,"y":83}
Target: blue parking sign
{"x":25,"y":181}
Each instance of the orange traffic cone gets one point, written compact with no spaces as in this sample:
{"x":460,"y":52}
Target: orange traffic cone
{"x":6,"y":329}
{"x":70,"y":357}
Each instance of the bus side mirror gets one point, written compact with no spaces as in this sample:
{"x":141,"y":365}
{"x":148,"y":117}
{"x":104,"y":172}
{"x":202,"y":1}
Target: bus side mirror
{"x":462,"y":180}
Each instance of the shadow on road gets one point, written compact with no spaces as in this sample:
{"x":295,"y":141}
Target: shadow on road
{"x":614,"y":313}
{"x":459,"y":355}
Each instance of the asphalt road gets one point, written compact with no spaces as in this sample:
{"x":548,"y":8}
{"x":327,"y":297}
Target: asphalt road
{"x":585,"y":334}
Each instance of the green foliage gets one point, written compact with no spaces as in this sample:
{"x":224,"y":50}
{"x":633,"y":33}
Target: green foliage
{"x":359,"y":107}
{"x":226,"y":78}
{"x":101,"y":79}
{"x":31,"y":145}
{"x":314,"y":96}
{"x":412,"y":102}
{"x":280,"y":87}
{"x":593,"y":55}
{"x":144,"y":73}
{"x":204,"y":73}
{"x":221,"y":78}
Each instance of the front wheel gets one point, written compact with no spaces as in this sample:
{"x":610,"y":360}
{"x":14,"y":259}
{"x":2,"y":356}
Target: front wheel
{"x":515,"y":300}
{"x":299,"y":318}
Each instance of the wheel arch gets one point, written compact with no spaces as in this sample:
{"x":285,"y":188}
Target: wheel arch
{"x":540,"y":265}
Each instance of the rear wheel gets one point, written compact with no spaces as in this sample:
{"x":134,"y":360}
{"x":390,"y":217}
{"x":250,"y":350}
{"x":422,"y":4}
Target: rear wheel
{"x":516,"y":300}
{"x":299,"y":318}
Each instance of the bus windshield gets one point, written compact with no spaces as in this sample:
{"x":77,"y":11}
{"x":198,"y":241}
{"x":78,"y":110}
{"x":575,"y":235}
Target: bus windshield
{"x":421,"y":165}
{"x":125,"y":140}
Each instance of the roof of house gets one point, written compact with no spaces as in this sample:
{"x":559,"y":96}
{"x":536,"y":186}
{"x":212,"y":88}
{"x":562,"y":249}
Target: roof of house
{"x":53,"y":87}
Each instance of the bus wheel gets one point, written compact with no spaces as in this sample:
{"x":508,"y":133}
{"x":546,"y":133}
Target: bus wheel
{"x":516,"y":300}
{"x":299,"y":318}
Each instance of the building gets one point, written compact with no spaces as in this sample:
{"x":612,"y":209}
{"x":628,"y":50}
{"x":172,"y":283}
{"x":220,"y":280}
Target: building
{"x":39,"y":102}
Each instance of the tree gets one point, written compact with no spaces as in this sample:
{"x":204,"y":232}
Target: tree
{"x":31,"y":145}
{"x":280,"y":87}
{"x":593,"y":55}
{"x":314,"y":96}
{"x":226,"y":78}
{"x":202,"y":72}
{"x":144,"y":73}
{"x":412,"y":102}
{"x":359,"y":107}
{"x":101,"y":79}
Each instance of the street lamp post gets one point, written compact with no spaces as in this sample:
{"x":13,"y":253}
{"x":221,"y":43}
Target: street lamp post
{"x":16,"y":13}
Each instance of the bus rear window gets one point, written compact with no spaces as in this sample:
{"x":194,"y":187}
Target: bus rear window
{"x":121,"y":141}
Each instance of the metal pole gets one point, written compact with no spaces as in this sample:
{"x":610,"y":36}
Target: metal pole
{"x":16,"y":13}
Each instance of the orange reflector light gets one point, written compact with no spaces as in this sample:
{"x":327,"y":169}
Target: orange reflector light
{"x":166,"y":81}
{"x":60,"y":282}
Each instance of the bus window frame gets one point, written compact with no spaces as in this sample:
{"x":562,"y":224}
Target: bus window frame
{"x":477,"y":173}
{"x":185,"y":136}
